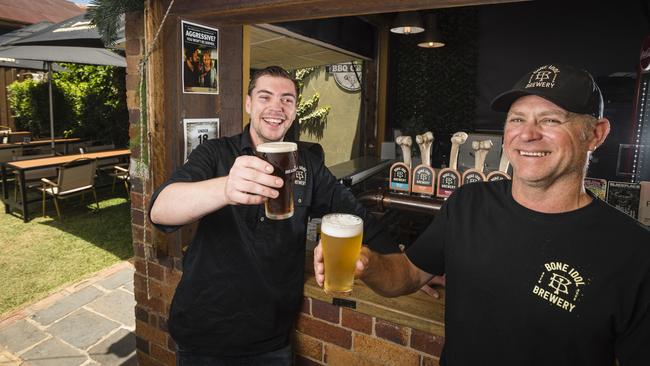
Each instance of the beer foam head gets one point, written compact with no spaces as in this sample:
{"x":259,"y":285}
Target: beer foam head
{"x":341,"y":225}
{"x":277,"y":147}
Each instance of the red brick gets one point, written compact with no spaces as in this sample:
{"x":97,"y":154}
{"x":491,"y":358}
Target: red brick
{"x":428,"y":361}
{"x":137,"y":217}
{"x":391,"y":331}
{"x":173,"y":277}
{"x":156,"y":271}
{"x":149,"y":333}
{"x":324,"y":331}
{"x":356,"y":320}
{"x":306,"y":306}
{"x":325,"y":311}
{"x":308,"y":346}
{"x":153,"y":304}
{"x":145,"y":360}
{"x":141,"y":314}
{"x":136,"y":200}
{"x":302,"y":361}
{"x":142,"y":345}
{"x":339,"y":356}
{"x":384,"y":352}
{"x":426,"y":342}
{"x":162,"y":354}
{"x":138,"y":249}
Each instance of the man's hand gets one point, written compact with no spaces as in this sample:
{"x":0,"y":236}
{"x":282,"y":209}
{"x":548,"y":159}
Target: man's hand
{"x":250,"y":182}
{"x":435,"y":281}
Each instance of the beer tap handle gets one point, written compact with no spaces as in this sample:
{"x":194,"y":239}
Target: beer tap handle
{"x":405,"y":143}
{"x":457,"y":139}
{"x":484,"y":148}
{"x":504,"y":163}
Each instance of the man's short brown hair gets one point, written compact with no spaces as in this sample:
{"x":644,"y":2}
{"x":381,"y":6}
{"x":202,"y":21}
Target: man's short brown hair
{"x":275,"y":71}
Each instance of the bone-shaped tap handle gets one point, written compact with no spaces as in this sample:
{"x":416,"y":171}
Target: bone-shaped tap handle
{"x":405,"y":143}
{"x":476,"y":145}
{"x":457,"y":139}
{"x":481,"y":154}
{"x":504,"y":163}
{"x":424,"y":142}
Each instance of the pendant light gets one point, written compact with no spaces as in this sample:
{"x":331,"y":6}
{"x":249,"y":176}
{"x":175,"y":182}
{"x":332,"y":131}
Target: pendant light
{"x":431,"y":37}
{"x":407,"y":23}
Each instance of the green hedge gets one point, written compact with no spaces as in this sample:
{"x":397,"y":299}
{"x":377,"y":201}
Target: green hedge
{"x":89,"y":102}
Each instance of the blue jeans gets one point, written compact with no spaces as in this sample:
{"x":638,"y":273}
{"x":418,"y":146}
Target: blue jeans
{"x":281,"y":357}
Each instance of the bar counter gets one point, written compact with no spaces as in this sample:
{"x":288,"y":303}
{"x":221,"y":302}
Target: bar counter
{"x":366,"y":328}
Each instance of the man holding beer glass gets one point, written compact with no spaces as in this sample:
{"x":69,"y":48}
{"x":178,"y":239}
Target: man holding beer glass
{"x":242,"y":280}
{"x":539,"y":271}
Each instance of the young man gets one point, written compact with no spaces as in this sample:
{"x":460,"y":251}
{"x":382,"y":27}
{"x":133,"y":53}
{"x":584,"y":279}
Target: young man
{"x":243,"y":273}
{"x":539,"y":271}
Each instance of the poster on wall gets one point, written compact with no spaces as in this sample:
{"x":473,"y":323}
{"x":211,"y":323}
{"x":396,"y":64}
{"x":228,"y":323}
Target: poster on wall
{"x":197,"y":131}
{"x":200,"y":70}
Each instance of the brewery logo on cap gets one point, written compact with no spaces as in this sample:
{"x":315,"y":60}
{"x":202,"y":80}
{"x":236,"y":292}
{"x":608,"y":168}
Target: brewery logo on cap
{"x":544,"y":77}
{"x":570,"y":88}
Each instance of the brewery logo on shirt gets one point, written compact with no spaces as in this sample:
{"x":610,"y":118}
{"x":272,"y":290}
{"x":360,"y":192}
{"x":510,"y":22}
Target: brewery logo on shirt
{"x":301,"y":176}
{"x":561,"y":285}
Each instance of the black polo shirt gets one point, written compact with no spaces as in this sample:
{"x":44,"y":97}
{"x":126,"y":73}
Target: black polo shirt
{"x":243,"y":273}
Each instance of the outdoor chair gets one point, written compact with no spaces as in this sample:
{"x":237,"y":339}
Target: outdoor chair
{"x":33,"y":177}
{"x":122,"y":174}
{"x":75,"y":177}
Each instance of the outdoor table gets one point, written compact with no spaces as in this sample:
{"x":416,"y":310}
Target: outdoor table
{"x":35,"y":143}
{"x":25,"y":165}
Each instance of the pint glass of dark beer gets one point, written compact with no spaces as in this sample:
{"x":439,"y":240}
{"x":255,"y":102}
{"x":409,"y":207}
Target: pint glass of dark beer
{"x":284,"y":158}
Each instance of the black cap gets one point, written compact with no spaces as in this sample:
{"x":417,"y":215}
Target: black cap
{"x":572,"y":89}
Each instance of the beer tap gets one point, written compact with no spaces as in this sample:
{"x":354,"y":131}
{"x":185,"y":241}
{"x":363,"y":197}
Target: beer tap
{"x":504,"y":163}
{"x":425,"y":141}
{"x":481,"y":149}
{"x":457,"y":139}
{"x":405,"y":143}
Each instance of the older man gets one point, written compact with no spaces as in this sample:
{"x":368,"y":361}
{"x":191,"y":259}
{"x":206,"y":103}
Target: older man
{"x":539,"y":271}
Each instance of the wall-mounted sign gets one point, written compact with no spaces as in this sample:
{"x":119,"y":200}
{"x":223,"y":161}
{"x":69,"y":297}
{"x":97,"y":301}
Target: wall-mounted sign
{"x":347,"y":75}
{"x":200,"y":61}
{"x":197,"y":131}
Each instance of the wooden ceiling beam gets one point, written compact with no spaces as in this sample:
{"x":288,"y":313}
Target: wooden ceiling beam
{"x":269,"y":11}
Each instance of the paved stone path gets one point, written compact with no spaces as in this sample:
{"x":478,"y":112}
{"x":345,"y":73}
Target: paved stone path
{"x":88,"y":323}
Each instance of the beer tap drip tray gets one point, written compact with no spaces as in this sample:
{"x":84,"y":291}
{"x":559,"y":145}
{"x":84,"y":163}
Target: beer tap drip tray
{"x":359,"y":169}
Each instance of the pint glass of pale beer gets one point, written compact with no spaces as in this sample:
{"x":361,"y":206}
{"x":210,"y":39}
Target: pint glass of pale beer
{"x":283,"y":156}
{"x":341,"y":236}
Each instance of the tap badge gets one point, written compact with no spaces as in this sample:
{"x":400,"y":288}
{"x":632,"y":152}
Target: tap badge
{"x":561,"y":285}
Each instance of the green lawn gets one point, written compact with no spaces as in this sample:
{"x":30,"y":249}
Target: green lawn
{"x":39,"y":257}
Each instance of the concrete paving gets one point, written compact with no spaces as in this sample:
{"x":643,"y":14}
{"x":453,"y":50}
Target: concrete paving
{"x":88,"y":323}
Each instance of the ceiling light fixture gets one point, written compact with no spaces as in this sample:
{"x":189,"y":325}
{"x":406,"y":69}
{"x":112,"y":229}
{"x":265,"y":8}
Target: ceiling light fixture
{"x":407,"y":23}
{"x":431,"y":37}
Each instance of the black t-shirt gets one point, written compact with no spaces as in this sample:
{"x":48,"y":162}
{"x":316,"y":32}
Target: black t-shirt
{"x":527,"y":288}
{"x":243,"y":273}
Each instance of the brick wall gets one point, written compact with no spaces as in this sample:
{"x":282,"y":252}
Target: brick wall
{"x":331,"y":335}
{"x":155,"y":278}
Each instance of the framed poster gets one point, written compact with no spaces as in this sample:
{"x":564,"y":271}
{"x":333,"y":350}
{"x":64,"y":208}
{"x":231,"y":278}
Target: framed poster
{"x":197,"y":131}
{"x":200,"y":59}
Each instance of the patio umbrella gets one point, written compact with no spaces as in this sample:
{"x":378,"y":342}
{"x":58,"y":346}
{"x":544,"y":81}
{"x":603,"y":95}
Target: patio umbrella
{"x":75,"y":32}
{"x":18,"y":34}
{"x":74,"y":40}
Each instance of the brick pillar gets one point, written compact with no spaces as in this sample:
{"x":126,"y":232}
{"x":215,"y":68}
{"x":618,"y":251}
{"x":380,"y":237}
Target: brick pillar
{"x":156,"y":276}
